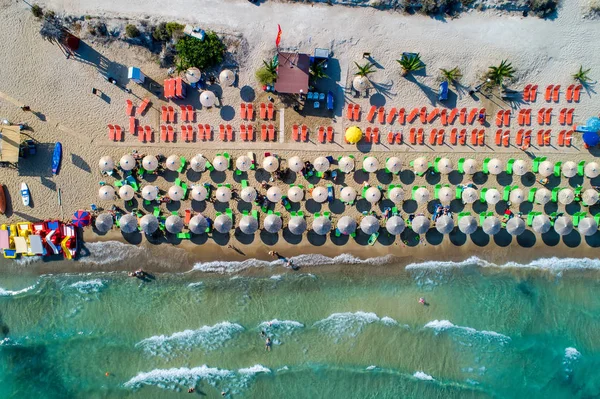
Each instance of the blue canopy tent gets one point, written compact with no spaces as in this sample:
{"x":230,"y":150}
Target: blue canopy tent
{"x":591,"y":139}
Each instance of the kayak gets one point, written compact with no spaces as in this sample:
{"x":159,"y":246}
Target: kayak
{"x":2,"y":200}
{"x":25,"y":194}
{"x":56,"y":158}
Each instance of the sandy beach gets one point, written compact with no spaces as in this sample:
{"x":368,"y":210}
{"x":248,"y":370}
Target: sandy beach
{"x":59,"y":92}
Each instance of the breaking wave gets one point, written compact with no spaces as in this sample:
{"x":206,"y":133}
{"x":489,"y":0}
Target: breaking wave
{"x":88,"y":286}
{"x":351,"y":324}
{"x":550,"y":264}
{"x":422,"y":376}
{"x":5,"y":292}
{"x":445,"y":325}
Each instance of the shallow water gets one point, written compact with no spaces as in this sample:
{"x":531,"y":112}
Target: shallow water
{"x":487,"y":332}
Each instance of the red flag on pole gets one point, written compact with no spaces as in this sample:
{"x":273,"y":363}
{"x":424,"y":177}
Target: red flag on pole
{"x":278,"y":40}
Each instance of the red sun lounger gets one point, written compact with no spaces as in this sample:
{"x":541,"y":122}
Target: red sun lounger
{"x":250,"y":111}
{"x":423,"y":114}
{"x":171,"y":133}
{"x":547,"y":135}
{"x":132,"y":124}
{"x":420,"y":136}
{"x":349,"y":112}
{"x":568,"y":137}
{"x":569,"y":119}
{"x":540,"y":118}
{"x":368,"y":135}
{"x":263,"y":132}
{"x":222,"y":132}
{"x":190,"y":113}
{"x":304,"y":133}
{"x":356,"y":114}
{"x":506,"y":118}
{"x":454,"y":136}
{"x":183,"y":113}
{"x":329,"y":134}
{"x":402,"y":116}
{"x":452,"y":116}
{"x":148,"y":133}
{"x":263,"y":111}
{"x":207,"y":132}
{"x":118,"y":133}
{"x":569,"y":94}
{"x":562,"y":116}
{"x":577,"y":93}
{"x":381,"y":115}
{"x":143,"y":106}
{"x":472,"y":116}
{"x":399,"y":138}
{"x":171,"y":114}
{"x":413,"y":114}
{"x":391,"y":116}
{"x":519,"y":138}
{"x":499,"y":137}
{"x":321,"y":134}
{"x":444,"y":117}
{"x":432,"y":136}
{"x":295,"y":135}
{"x":462,"y":138}
{"x":163,"y":133}
{"x":548,"y":94}
{"x":432,"y":115}
{"x":129,"y":107}
{"x":412,"y":138}
{"x":243,"y":133}
{"x":271,"y":130}
{"x":142,"y":136}
{"x":390,"y":138}
{"x":481,"y":137}
{"x":111,"y":132}
{"x":526,"y":92}
{"x":561,"y":138}
{"x":463,"y":116}
{"x":540,"y":137}
{"x":229,"y":133}
{"x":548,"y":116}
{"x":164,"y":114}
{"x":376,"y":135}
{"x":271,"y":112}
{"x":556,"y":93}
{"x":474,"y":137}
{"x":440,"y":137}
{"x":371,"y":114}
{"x":533,"y":93}
{"x":499,"y":118}
{"x":201,"y":132}
{"x":243,"y":112}
{"x":250,"y":133}
{"x":506,"y":138}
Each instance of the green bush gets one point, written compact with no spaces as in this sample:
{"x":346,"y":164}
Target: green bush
{"x":132,"y":31}
{"x":173,"y":28}
{"x":202,"y":54}
{"x":543,"y":8}
{"x":37,"y":11}
{"x":264,"y":76}
{"x":167,"y":30}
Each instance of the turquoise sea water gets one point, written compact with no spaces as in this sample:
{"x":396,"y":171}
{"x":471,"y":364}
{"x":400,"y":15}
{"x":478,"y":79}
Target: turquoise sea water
{"x":488,"y":332}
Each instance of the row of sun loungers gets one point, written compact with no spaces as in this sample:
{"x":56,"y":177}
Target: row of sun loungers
{"x":226,"y":133}
{"x":447,"y":116}
{"x":552,"y":93}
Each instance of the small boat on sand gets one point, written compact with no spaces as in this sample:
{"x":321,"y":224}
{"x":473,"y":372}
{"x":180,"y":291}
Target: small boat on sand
{"x":56,"y":158}
{"x":25,"y":195}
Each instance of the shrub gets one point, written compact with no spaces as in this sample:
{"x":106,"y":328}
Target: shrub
{"x":202,"y":54}
{"x":160,"y":33}
{"x":543,"y":8}
{"x":37,"y":11}
{"x":265,"y":76}
{"x":174,"y":29}
{"x":132,"y":31}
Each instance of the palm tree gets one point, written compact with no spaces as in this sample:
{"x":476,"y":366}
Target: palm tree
{"x":271,"y":66}
{"x":364,"y":70}
{"x":451,"y":75}
{"x":497,"y":74}
{"x":317,"y":71}
{"x":582,"y":75}
{"x":180,"y":66}
{"x":410,"y":63}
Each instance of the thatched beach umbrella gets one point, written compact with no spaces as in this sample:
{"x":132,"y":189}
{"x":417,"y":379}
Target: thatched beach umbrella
{"x":569,"y":169}
{"x":321,"y":225}
{"x":346,"y":225}
{"x":227,"y":77}
{"x":295,"y":194}
{"x":150,"y":163}
{"x":369,"y":225}
{"x":541,"y":224}
{"x":393,"y":164}
{"x":470,"y":166}
{"x":592,"y":170}
{"x":106,"y":164}
{"x":515,"y":226}
{"x":207,"y":98}
{"x":175,"y":193}
{"x":220,"y":163}
{"x":589,"y":196}
{"x":495,"y":166}
{"x":198,"y":224}
{"x":420,"y":165}
{"x":199,"y":192}
{"x":566,"y":196}
{"x":444,"y":224}
{"x":127,"y":162}
{"x":149,"y":193}
{"x":174,"y":224}
{"x":517,"y":196}
{"x":587,"y":226}
{"x":348,"y":194}
{"x":248,"y":194}
{"x":106,"y":193}
{"x":297,"y":225}
{"x":223,"y":194}
{"x":193,"y":75}
{"x":126,"y":192}
{"x":469,"y":195}
{"x":104,"y":222}
{"x":492,"y":196}
{"x":467,"y":224}
{"x":321,"y":164}
{"x":173,"y":163}
{"x":270,"y":164}
{"x":128,"y":223}
{"x":370,"y":164}
{"x":272,"y":223}
{"x":243,"y":163}
{"x":421,"y":195}
{"x":346,"y":164}
{"x":295,"y":164}
{"x":198,"y":163}
{"x":543,"y":196}
{"x":445,"y":166}
{"x":520,"y":167}
{"x":396,"y":195}
{"x":446,"y":195}
{"x":274,"y":194}
{"x":223,"y":223}
{"x":395,"y":225}
{"x":563,"y":225}
{"x":420,"y":224}
{"x":149,"y":223}
{"x":319,"y":194}
{"x":248,"y":224}
{"x":373,"y":195}
{"x":546,"y":168}
{"x":360,"y":83}
{"x":491,"y":225}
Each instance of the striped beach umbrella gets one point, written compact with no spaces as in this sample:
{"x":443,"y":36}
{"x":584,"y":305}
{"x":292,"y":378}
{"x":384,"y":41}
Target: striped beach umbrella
{"x":274,"y":194}
{"x":149,"y":223}
{"x":393,"y":164}
{"x":491,"y":225}
{"x":126,"y":192}
{"x":563,"y":225}
{"x":543,"y":196}
{"x":395,"y":225}
{"x":220,"y":163}
{"x":198,"y":163}
{"x":444,"y":224}
{"x":369,"y":225}
{"x":420,"y":224}
{"x":396,"y":195}
{"x":150,"y":163}
{"x":569,"y":169}
{"x":127,"y":162}
{"x":470,"y":166}
{"x":297,"y":225}
{"x":370,"y":164}
{"x":199,"y":192}
{"x":445,"y":166}
{"x":270,"y":164}
{"x":248,"y":224}
{"x":346,"y":164}
{"x":173,"y":163}
{"x":566,"y":196}
{"x":175,"y":193}
{"x":520,"y":167}
{"x":469,"y":195}
{"x":295,"y":164}
{"x":223,"y":223}
{"x":321,"y":225}
{"x":104,"y":222}
{"x":467,"y":224}
{"x":295,"y":194}
{"x":592,"y":170}
{"x":346,"y":225}
{"x":421,"y":195}
{"x":106,"y":193}
{"x":319,"y":194}
{"x":106,"y":164}
{"x":321,"y":164}
{"x":517,"y":196}
{"x":590,"y":196}
{"x":541,"y":224}
{"x":515,"y":226}
{"x":587,"y":226}
{"x":243,"y":163}
{"x":174,"y":224}
{"x":198,"y":224}
{"x":495,"y":166}
{"x":446,"y":195}
{"x":420,"y":165}
{"x":373,"y":195}
{"x":546,"y":168}
{"x":492,"y":196}
{"x":128,"y":223}
{"x":272,"y":223}
{"x":248,"y":194}
{"x":149,"y":193}
{"x":348,"y":194}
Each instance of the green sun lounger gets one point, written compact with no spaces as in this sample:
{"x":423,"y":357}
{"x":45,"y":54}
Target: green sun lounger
{"x":373,"y":238}
{"x":229,"y":213}
{"x":255,"y":214}
{"x":184,"y":236}
{"x":506,"y":194}
{"x":482,"y":195}
{"x":182,"y":166}
{"x":555,"y":192}
{"x":581,"y":168}
{"x":485,"y":168}
{"x":461,"y":165}
{"x":531,"y":197}
{"x":509,"y":166}
{"x":536,"y":164}
{"x":459,"y":191}
{"x":557,"y":169}
{"x":156,"y":211}
{"x":435,"y":165}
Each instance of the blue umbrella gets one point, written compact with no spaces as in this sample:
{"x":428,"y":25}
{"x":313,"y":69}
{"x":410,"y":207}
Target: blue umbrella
{"x":82,"y":218}
{"x":593,"y":123}
{"x":591,"y":139}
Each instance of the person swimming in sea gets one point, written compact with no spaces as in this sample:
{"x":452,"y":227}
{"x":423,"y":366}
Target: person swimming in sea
{"x":268,"y":344}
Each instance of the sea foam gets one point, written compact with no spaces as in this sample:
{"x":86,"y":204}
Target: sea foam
{"x":350,"y":324}
{"x":422,"y":376}
{"x":88,"y":286}
{"x":207,"y":337}
{"x":5,"y":292}
{"x":445,"y":325}
{"x":550,"y":264}
{"x":572,"y":354}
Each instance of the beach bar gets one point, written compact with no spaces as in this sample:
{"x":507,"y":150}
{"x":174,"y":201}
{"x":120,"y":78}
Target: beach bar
{"x":292,"y":73}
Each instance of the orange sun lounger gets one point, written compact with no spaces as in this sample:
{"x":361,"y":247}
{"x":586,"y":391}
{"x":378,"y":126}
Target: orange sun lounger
{"x":569,"y":119}
{"x":506,"y":138}
{"x":472,"y":115}
{"x":263,"y":132}
{"x":295,"y":135}
{"x":444,"y":117}
{"x":263,"y":111}
{"x":118,"y":133}
{"x":462,"y":138}
{"x":183,"y":109}
{"x":132,"y":124}
{"x":562,"y":116}
{"x":440,"y":137}
{"x":304,"y":133}
{"x":481,"y":137}
{"x":243,"y":112}
{"x":412,"y":138}
{"x":371,"y":114}
{"x":413,"y":114}
{"x":569,"y":94}
{"x":243,"y":133}
{"x":250,"y":133}
{"x":390,"y":138}
{"x":432,"y":115}
{"x":526,"y":92}
{"x":190,"y":113}
{"x":548,"y":116}
{"x":350,"y":112}
{"x":163,"y":133}
{"x":454,"y":136}
{"x":271,"y":130}
{"x":540,"y":118}
{"x":207,"y":132}
{"x":423,"y":114}
{"x":111,"y":132}
{"x":356,"y":114}
{"x":556,"y":93}
{"x":368,"y":135}
{"x":321,"y":134}
{"x":222,"y":132}
{"x":381,"y":115}
{"x":452,"y":116}
{"x":271,"y":111}
{"x":129,"y":107}
{"x":568,"y":137}
{"x":171,"y":114}
{"x":229,"y":133}
{"x":250,"y":111}
{"x":201,"y":135}
{"x":548,"y":94}
{"x":561,"y":138}
{"x":540,"y":137}
{"x":420,"y":136}
{"x":506,"y":118}
{"x":499,"y":118}
{"x":499,"y":137}
{"x":148,"y":133}
{"x":376,"y":135}
{"x":171,"y":133}
{"x":547,"y":136}
{"x":432,"y":136}
{"x":391,"y":116}
{"x":474,"y":137}
{"x":463,"y":116}
{"x":577,"y":93}
{"x":519,"y":138}
{"x":143,"y":106}
{"x":329,"y":134}
{"x":164,"y":114}
{"x":402,"y":116}
{"x":399,"y":138}
{"x":142,"y":136}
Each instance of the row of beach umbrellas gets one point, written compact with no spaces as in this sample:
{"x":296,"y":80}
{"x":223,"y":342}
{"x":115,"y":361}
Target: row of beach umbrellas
{"x":346,"y":225}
